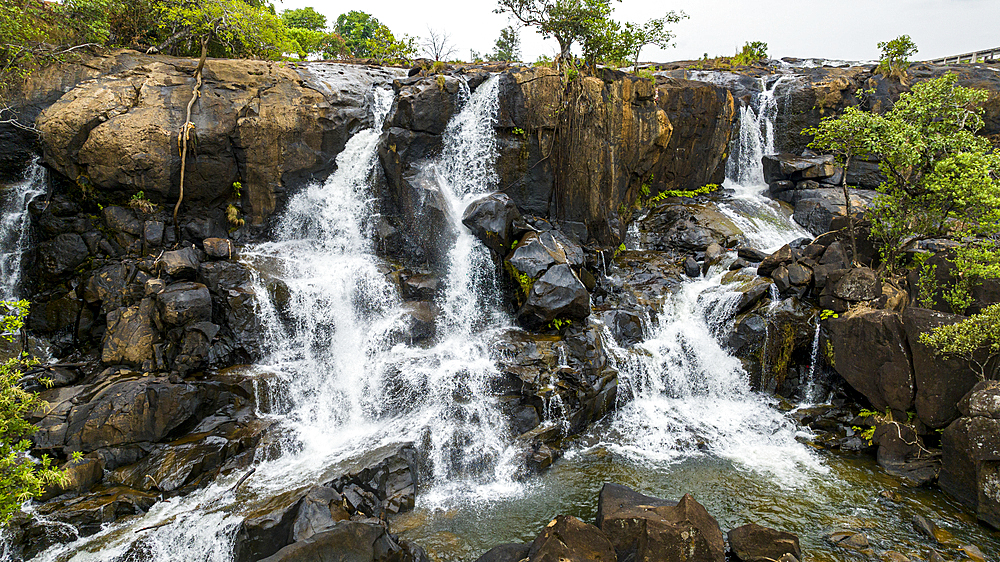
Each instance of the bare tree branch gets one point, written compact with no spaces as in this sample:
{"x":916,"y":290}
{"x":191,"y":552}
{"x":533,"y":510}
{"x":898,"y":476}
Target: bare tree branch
{"x":438,"y":44}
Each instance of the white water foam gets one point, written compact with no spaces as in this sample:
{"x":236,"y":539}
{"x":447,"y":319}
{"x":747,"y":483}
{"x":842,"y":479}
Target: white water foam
{"x":14,"y":226}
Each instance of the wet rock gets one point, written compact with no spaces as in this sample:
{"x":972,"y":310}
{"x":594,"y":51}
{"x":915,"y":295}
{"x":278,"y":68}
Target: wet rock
{"x":348,"y":541}
{"x":738,"y":263}
{"x":419,"y":321}
{"x":319,"y":510}
{"x":559,"y":293}
{"x":900,"y":453}
{"x":785,"y":166}
{"x":219,"y":248}
{"x":536,"y":253}
{"x":870,"y":352}
{"x":178,"y":464}
{"x":492,"y":220}
{"x":783,"y":256}
{"x":568,"y":539}
{"x":835,"y":256}
{"x":850,"y":540}
{"x":420,"y":287}
{"x":131,"y":411}
{"x":893,"y":556}
{"x":656,"y":529}
{"x":625,"y":326}
{"x":183,"y":303}
{"x":389,"y":476}
{"x":686,"y":228}
{"x":152,"y":233}
{"x":973,"y":553}
{"x":925,"y":527}
{"x":754,"y":543}
{"x":62,"y":254}
{"x":781,"y":279}
{"x":510,"y":552}
{"x":713,"y":253}
{"x":691,"y":267}
{"x":858,"y":285}
{"x":940,"y":382}
{"x":268,"y":530}
{"x":181,"y":264}
{"x":130,"y":336}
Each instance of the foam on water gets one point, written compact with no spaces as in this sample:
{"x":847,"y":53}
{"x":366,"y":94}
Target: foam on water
{"x":14,"y":226}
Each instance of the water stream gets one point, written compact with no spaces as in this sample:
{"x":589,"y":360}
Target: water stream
{"x":14,"y":221}
{"x":340,"y":378}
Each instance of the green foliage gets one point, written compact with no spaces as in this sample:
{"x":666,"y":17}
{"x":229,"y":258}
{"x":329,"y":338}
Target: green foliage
{"x":663,"y":195}
{"x":517,"y":131}
{"x":895,"y":58}
{"x":237,"y":189}
{"x":438,"y":67}
{"x":752,"y":52}
{"x":307,"y":42}
{"x":386,"y":49}
{"x":141,"y":204}
{"x":975,"y":339}
{"x":571,"y":74}
{"x":568,"y":21}
{"x":304,"y":18}
{"x":826,"y":314}
{"x":941,"y":177}
{"x":927,"y":280}
{"x":21,"y":477}
{"x":558,"y":323}
{"x":508,"y":45}
{"x":357,"y":28}
{"x":611,"y":43}
{"x":441,"y":81}
{"x":233,"y":28}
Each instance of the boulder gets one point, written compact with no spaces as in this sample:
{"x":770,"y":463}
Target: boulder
{"x":130,"y":336}
{"x":348,"y":541}
{"x":567,"y":539}
{"x":495,"y":221}
{"x":691,"y":267}
{"x":789,"y":167}
{"x":62,"y":254}
{"x":941,"y":382}
{"x":900,"y":453}
{"x":558,"y":293}
{"x":536,"y":253}
{"x":858,"y":285}
{"x":783,"y":256}
{"x":219,"y":248}
{"x":319,"y":510}
{"x":185,"y":303}
{"x":754,"y":543}
{"x":510,"y":552}
{"x":871,"y":353}
{"x":656,"y":529}
{"x":182,"y":264}
{"x":799,"y":274}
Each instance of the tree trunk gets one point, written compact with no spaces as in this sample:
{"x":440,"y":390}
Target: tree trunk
{"x":850,"y":214}
{"x":186,"y":130}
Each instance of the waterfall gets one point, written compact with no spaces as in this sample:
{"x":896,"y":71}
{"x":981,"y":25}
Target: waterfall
{"x":765,"y":224}
{"x":14,"y":226}
{"x":810,"y":385}
{"x":689,"y":395}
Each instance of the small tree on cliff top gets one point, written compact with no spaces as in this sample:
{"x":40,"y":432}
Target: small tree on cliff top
{"x":895,"y":58}
{"x":568,"y":21}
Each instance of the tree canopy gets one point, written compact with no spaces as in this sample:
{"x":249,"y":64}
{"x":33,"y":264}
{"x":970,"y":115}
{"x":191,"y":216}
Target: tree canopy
{"x":304,"y":18}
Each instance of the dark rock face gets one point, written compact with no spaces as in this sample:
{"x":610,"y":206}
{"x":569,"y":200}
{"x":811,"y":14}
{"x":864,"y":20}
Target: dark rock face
{"x":511,"y":552}
{"x":753,"y":543}
{"x":269,"y":126}
{"x":788,"y":167}
{"x":656,"y":529}
{"x":558,"y":293}
{"x":347,"y":541}
{"x":940,"y":382}
{"x":183,"y":303}
{"x":567,"y":538}
{"x":492,"y":220}
{"x":970,"y":449}
{"x":871,"y":353}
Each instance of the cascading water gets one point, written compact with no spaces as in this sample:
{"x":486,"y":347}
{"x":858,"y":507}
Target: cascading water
{"x":14,"y":222}
{"x":763,"y":222}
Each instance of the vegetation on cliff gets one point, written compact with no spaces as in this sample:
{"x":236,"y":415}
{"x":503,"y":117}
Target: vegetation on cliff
{"x":21,"y":477}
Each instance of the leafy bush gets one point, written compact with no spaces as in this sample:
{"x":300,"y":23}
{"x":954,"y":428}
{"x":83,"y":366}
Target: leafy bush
{"x":751,"y":53}
{"x":895,"y":58}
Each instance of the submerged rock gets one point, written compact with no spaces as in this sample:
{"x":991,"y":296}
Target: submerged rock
{"x":754,"y":543}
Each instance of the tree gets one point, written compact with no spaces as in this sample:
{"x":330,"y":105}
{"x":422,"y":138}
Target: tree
{"x":568,"y":21}
{"x":508,"y":45}
{"x":653,"y":32}
{"x":750,"y":53}
{"x":334,"y":47}
{"x":941,"y":178}
{"x":307,"y":42}
{"x":438,"y":45}
{"x":847,"y":136}
{"x":304,"y":18}
{"x":21,"y":477}
{"x":895,"y":58}
{"x":975,"y":339}
{"x":229,"y":28}
{"x":356,"y":28}
{"x":385,"y":48}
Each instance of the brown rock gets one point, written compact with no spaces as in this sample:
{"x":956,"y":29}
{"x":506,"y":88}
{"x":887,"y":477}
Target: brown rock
{"x":567,"y":539}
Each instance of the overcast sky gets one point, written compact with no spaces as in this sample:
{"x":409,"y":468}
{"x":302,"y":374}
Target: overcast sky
{"x":838,"y":29}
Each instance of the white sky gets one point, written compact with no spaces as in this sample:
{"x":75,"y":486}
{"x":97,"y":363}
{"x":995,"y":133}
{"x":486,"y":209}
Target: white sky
{"x":832,"y":29}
